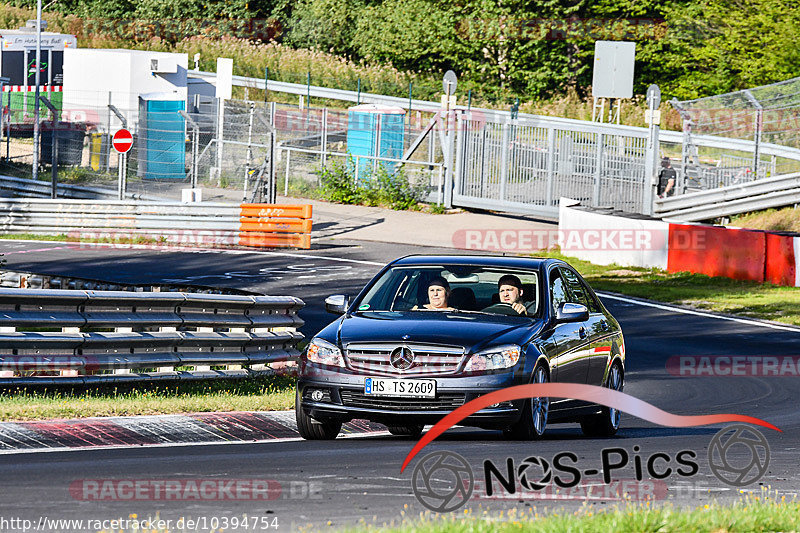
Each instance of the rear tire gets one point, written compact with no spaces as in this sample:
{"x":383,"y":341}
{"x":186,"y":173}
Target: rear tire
{"x":311,"y":429}
{"x":412,"y":431}
{"x":533,"y":422}
{"x":607,"y":422}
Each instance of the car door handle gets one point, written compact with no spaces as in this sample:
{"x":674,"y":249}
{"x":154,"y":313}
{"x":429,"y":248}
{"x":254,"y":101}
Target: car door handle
{"x":582,"y":332}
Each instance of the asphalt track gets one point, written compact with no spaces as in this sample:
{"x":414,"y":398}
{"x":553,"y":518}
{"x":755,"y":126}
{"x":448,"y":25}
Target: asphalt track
{"x":356,"y":478}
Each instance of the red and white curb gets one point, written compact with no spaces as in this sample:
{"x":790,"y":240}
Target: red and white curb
{"x":241,"y":427}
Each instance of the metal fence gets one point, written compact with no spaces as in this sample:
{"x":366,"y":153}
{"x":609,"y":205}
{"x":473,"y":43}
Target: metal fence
{"x":69,"y":336}
{"x":238,"y":150}
{"x":526,"y":165}
{"x":766,"y":116}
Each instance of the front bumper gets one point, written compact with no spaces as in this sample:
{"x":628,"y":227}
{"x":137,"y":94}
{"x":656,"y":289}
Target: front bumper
{"x":345,"y":399}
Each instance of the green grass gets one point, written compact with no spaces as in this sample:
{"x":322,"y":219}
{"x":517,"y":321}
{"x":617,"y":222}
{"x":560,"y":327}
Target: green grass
{"x":266,"y":393}
{"x":786,"y":219}
{"x":745,"y":298}
{"x":749,"y":514}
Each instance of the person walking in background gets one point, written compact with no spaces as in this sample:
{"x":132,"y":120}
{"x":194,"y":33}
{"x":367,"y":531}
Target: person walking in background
{"x":666,"y":179}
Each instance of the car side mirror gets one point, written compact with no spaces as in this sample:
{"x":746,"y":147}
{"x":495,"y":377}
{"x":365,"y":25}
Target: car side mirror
{"x":337,"y":304}
{"x":572,"y":312}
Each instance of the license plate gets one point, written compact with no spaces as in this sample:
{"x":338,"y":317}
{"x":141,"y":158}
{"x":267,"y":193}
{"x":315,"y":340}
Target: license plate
{"x":404,"y":388}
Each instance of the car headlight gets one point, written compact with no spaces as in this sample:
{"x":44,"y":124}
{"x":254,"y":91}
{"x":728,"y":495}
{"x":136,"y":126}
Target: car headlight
{"x":494,"y":358}
{"x":325,"y":353}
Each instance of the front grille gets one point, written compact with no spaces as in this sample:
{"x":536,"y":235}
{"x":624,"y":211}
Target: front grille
{"x":445,"y":400}
{"x":428,"y":359}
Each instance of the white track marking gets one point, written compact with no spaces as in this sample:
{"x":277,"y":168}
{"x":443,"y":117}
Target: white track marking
{"x":746,"y":321}
{"x":74,"y":245}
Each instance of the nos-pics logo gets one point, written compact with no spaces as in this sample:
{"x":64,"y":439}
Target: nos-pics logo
{"x":443,"y":481}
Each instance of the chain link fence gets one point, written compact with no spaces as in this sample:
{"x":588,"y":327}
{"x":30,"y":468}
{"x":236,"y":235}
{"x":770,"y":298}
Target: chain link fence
{"x":765,"y":116}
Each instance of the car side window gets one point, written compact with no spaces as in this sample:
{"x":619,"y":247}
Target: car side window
{"x":591,"y":297}
{"x":577,"y":292}
{"x":558,"y":292}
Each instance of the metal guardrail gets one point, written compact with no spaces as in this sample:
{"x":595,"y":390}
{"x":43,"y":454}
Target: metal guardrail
{"x":212,"y":224}
{"x":21,"y":187}
{"x":30,"y":280}
{"x":160,"y":335}
{"x":732,"y":200}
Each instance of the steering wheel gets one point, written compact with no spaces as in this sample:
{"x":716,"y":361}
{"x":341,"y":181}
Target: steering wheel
{"x":501,"y":308}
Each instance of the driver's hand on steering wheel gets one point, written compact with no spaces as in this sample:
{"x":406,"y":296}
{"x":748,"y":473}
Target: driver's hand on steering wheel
{"x":519,"y":308}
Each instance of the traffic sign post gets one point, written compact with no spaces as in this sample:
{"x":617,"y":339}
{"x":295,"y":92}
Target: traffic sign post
{"x":122,"y":141}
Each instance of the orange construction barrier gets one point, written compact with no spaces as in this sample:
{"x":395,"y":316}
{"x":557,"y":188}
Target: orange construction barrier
{"x":270,"y":225}
{"x":715,"y":251}
{"x":781,"y":268}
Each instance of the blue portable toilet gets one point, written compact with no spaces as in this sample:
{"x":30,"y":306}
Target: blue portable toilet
{"x":375,"y":130}
{"x":162,"y":137}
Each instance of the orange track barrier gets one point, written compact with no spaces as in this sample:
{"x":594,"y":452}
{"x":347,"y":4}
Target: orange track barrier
{"x":780,"y":268}
{"x":715,"y":251}
{"x":270,"y":225}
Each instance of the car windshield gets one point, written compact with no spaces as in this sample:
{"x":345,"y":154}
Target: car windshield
{"x":461,"y":288}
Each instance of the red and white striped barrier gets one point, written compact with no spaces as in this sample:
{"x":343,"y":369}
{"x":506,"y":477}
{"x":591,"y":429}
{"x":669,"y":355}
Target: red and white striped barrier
{"x":735,"y":253}
{"x":32,"y":88}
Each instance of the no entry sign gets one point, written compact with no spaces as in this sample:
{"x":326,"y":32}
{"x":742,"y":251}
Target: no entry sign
{"x":122,"y":141}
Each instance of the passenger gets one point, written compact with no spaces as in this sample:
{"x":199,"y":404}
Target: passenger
{"x":509,"y":289}
{"x":438,"y":293}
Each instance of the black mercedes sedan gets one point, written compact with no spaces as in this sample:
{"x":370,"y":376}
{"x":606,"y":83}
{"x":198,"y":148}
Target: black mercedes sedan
{"x":430,"y":333}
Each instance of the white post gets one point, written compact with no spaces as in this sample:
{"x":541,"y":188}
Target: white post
{"x":286,"y":183}
{"x":249,"y":161}
{"x":220,"y":132}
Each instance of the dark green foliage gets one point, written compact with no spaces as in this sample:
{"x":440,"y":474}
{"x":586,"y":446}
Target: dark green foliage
{"x":502,"y":49}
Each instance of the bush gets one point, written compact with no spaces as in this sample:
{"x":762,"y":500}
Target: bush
{"x":382,"y":188}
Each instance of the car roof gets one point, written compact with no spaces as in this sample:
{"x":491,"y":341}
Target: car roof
{"x":530,"y":263}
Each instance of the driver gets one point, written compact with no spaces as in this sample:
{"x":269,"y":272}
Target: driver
{"x":438,"y":293}
{"x":509,"y":288}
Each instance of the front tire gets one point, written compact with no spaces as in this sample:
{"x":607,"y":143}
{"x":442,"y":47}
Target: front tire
{"x":311,"y":429}
{"x":412,"y":431}
{"x":607,"y":422}
{"x":533,"y":422}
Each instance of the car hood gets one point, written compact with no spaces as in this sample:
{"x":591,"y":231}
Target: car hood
{"x":474,"y":331}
